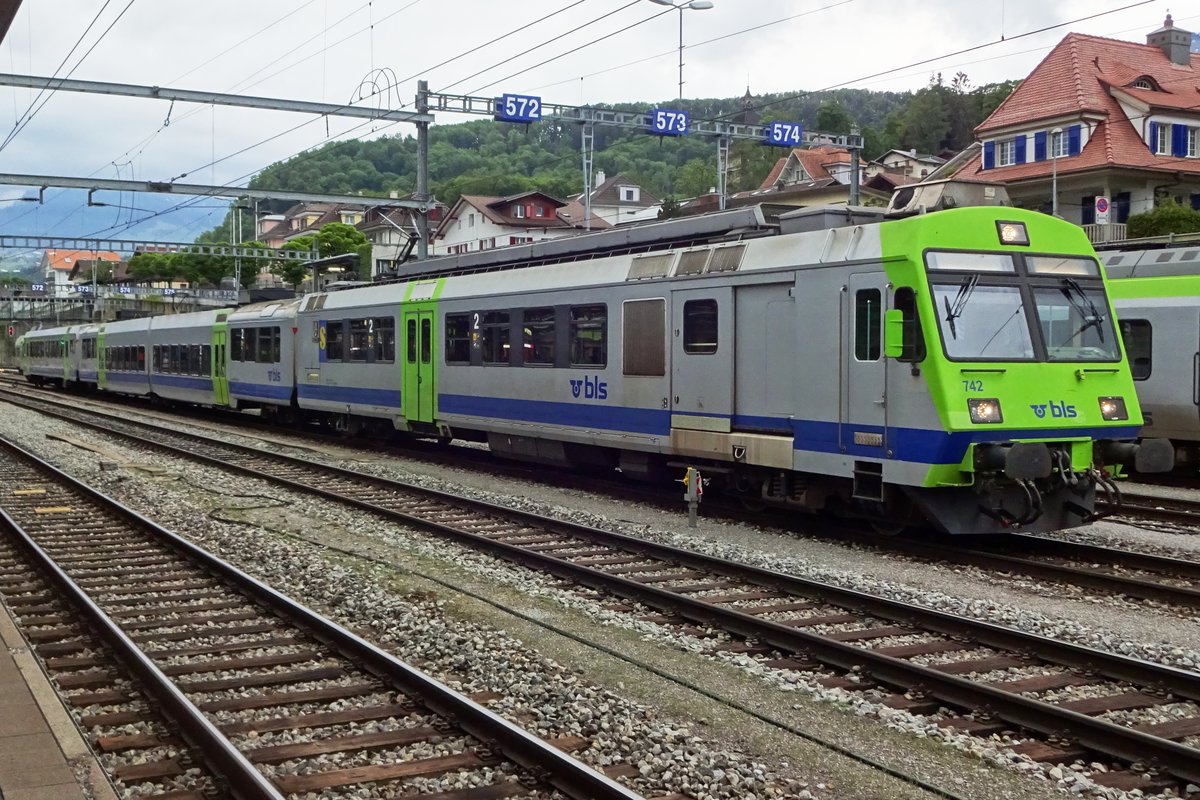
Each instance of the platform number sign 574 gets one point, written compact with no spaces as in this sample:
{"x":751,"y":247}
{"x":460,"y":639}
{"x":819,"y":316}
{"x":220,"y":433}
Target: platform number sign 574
{"x":669,"y":122}
{"x":784,"y":134}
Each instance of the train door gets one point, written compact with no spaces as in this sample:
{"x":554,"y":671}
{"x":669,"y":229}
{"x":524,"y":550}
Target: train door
{"x":863,"y":429}
{"x":64,"y":349}
{"x":219,"y":370}
{"x":101,"y":360}
{"x":418,"y":385}
{"x":702,"y":350}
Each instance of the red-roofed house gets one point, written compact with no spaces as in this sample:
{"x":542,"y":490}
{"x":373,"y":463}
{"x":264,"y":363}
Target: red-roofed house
{"x":1099,"y":118}
{"x":476,"y":222}
{"x":57,"y":266}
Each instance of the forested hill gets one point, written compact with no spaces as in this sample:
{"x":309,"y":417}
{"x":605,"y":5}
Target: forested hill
{"x":490,"y":158}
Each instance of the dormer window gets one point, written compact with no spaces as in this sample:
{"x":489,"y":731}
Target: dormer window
{"x":629,"y":194}
{"x":519,"y":212}
{"x":1145,"y":82}
{"x":1057,"y":144}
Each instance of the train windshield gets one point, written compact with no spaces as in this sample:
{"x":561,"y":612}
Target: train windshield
{"x":1001,"y":307}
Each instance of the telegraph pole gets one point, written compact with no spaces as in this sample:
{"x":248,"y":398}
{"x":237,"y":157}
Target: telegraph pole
{"x":422,"y":170}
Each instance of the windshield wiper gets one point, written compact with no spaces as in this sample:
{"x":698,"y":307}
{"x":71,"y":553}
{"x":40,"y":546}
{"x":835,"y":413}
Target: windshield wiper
{"x":953,"y":312}
{"x":1091,"y":315}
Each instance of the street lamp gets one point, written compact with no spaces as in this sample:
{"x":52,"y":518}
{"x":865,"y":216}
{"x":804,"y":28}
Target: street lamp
{"x":694,"y":5}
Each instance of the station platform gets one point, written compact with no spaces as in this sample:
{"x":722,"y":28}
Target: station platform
{"x":43,"y":755}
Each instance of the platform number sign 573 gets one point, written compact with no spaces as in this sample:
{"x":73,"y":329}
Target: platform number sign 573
{"x":669,"y":122}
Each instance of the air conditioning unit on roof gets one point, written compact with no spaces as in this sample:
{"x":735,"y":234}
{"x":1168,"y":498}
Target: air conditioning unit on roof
{"x":922,"y":198}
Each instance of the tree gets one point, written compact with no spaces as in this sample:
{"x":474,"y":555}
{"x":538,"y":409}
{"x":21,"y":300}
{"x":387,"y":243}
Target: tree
{"x":338,"y":238}
{"x":1167,"y":217}
{"x":294,"y":272}
{"x":832,"y":118}
{"x":925,"y":120}
{"x":13,"y":280}
{"x":695,"y":178}
{"x":670,"y":208}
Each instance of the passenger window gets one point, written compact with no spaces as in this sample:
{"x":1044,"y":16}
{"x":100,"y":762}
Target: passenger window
{"x":1138,"y":335}
{"x":334,"y":341}
{"x":235,"y":347}
{"x":385,"y":339}
{"x":262,"y":351}
{"x":157,"y":356}
{"x":589,"y":336}
{"x":411,"y":329}
{"x":194,"y":359}
{"x":458,"y":338}
{"x":867,"y":315}
{"x":913,"y":344}
{"x":276,"y":339}
{"x":141,"y":358}
{"x":700,"y":327}
{"x":643,"y":337}
{"x":206,"y":359}
{"x":426,"y":341}
{"x":250,"y":344}
{"x":359,"y":338}
{"x":537,"y":336}
{"x":494,"y":337}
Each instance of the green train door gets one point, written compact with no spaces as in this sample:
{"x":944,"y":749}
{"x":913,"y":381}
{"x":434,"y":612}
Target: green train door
{"x":418,"y":384}
{"x":219,"y":369}
{"x":101,"y":360}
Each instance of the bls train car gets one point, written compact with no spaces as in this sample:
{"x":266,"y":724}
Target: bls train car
{"x":1157,"y":298}
{"x":959,"y":367}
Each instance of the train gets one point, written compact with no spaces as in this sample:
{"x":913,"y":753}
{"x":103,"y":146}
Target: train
{"x":1156,"y":293}
{"x":953,"y":368}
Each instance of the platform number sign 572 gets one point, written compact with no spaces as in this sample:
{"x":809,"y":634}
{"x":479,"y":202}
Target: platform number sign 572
{"x":518,"y":108}
{"x":669,"y":122}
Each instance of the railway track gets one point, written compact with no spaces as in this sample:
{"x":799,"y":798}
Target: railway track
{"x":195,"y":681}
{"x":974,"y":676}
{"x":1175,"y":511}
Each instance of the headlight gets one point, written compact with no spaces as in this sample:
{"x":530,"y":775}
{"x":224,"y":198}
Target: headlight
{"x":1113,"y":409}
{"x":1012,"y":232}
{"x":984,"y":410}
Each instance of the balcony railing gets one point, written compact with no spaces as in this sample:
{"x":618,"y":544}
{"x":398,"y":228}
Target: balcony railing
{"x":1105,"y":234}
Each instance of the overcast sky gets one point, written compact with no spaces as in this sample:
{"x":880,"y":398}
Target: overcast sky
{"x":325,"y":50}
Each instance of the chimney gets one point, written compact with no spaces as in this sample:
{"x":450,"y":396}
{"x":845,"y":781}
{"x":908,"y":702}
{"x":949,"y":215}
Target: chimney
{"x":599,"y":177}
{"x":1174,"y":42}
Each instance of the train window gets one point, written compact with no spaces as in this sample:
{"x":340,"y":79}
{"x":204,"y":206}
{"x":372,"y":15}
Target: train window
{"x":141,"y":358}
{"x":263,"y":352}
{"x":700,"y":327}
{"x":1138,"y":335}
{"x":156,"y":358}
{"x":1062,"y":265}
{"x":426,"y":340}
{"x":588,"y":336}
{"x":385,"y":339}
{"x":360,"y":339}
{"x":868,"y":313}
{"x":173,"y":359}
{"x":194,"y":359}
{"x":972,"y":262}
{"x":185,"y":360}
{"x":276,"y":346}
{"x":494,"y":337}
{"x":643,"y":337}
{"x":537,"y":336}
{"x":458,"y":338}
{"x":206,"y":359}
{"x":335,"y":340}
{"x":913,"y":345}
{"x":250,"y":344}
{"x":411,"y":328}
{"x":235,"y":345}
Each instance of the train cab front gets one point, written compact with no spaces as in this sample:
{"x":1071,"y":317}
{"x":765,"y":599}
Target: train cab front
{"x":1032,"y":385}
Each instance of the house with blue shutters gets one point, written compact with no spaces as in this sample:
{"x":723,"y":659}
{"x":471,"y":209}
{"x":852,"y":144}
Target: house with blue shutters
{"x":1099,"y":117}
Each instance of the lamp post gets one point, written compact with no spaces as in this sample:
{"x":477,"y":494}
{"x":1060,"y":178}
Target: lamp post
{"x":694,"y":5}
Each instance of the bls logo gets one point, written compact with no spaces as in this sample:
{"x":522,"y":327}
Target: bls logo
{"x":274,"y":376}
{"x":591,"y":388}
{"x":1058,"y":410}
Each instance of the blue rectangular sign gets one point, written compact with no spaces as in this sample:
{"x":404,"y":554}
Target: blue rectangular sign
{"x":669,"y":122}
{"x":518,"y":108}
{"x":784,"y":134}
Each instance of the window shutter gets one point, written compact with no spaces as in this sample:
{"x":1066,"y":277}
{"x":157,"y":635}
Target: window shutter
{"x":1019,"y":150}
{"x":1074,"y":134}
{"x":1039,"y":146}
{"x":1153,"y":137}
{"x":989,"y":155}
{"x":1179,"y":140}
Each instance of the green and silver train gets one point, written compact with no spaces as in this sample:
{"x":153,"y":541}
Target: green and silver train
{"x":959,"y":368}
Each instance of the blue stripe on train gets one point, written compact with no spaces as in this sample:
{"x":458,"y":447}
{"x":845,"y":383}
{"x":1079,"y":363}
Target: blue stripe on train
{"x":194,"y":382}
{"x":353,"y":395}
{"x":266,"y":391}
{"x":906,"y":444}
